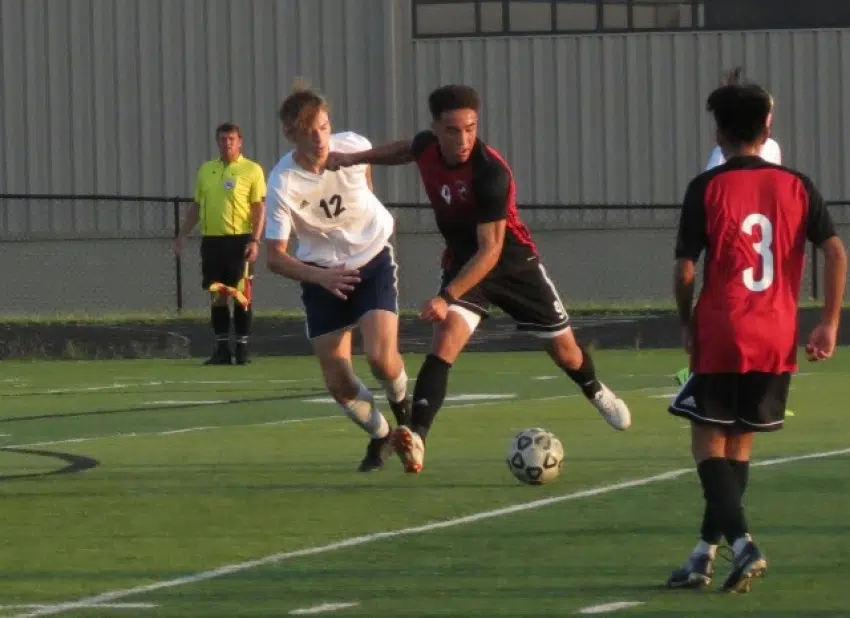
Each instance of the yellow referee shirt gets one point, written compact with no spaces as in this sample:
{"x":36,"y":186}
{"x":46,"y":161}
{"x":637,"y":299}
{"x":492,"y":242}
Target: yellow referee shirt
{"x":225,"y":192}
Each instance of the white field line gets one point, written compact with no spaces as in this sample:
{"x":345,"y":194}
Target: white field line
{"x":239,"y":567}
{"x":606,"y":608}
{"x":286,"y":421}
{"x":322,"y":609}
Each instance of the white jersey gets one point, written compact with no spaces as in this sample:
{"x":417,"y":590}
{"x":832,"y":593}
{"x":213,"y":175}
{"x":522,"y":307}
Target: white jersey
{"x":336,"y":217}
{"x":770,"y":152}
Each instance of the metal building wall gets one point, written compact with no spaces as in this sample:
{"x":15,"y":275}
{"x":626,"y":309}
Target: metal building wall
{"x":620,"y":118}
{"x":122,"y":97}
{"x":100,"y":96}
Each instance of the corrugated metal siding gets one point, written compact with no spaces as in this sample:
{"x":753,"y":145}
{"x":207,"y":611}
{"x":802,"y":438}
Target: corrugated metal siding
{"x":620,"y":118}
{"x":122,"y":97}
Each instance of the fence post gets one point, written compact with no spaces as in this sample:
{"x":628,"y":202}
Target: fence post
{"x":814,"y":271}
{"x":178,"y":265}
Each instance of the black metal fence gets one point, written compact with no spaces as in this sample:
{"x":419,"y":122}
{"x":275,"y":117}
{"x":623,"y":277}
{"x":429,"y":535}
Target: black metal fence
{"x":25,"y":218}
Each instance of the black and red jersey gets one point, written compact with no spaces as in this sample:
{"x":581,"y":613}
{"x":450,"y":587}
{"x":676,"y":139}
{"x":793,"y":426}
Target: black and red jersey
{"x":752,"y":218}
{"x":480,"y":190}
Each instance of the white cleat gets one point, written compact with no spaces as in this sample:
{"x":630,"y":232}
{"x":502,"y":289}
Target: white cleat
{"x":613,"y":409}
{"x":410,"y":448}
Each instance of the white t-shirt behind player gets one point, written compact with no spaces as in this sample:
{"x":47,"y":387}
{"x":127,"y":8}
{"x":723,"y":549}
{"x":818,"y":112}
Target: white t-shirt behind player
{"x":336,"y":217}
{"x":770,"y":152}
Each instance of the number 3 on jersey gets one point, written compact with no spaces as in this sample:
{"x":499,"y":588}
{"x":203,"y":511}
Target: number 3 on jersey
{"x":763,"y":248}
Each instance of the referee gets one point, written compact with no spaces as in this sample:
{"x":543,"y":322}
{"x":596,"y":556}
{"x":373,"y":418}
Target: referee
{"x":229,"y":202}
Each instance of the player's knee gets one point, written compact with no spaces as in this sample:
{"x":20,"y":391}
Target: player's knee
{"x":383,"y":362}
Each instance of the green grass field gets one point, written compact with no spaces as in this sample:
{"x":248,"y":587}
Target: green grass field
{"x":226,"y":491}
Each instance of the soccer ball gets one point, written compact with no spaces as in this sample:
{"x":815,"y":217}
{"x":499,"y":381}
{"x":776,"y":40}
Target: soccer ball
{"x":535,"y":456}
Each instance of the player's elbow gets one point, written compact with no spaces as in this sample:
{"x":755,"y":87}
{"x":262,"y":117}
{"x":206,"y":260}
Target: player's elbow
{"x":833,"y":251}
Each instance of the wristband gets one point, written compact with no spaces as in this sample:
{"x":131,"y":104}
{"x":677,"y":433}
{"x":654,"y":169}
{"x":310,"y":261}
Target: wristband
{"x":444,"y":294}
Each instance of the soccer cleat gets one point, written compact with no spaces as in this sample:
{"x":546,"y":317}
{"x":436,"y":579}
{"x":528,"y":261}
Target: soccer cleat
{"x":403,"y":411}
{"x":613,"y":409}
{"x":221,"y":356}
{"x":376,"y":454}
{"x":241,"y":356}
{"x":695,"y":573}
{"x":750,"y":564}
{"x":410,"y":448}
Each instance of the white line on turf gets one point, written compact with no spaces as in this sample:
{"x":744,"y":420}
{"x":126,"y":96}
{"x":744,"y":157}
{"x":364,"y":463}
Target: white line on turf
{"x":184,"y":402}
{"x":285,"y":421}
{"x":322,"y":609}
{"x":609,"y":607}
{"x":239,"y":567}
{"x":100,"y":605}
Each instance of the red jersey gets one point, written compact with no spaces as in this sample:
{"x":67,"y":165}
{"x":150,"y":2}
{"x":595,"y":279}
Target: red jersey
{"x":480,"y":190}
{"x":753,"y":219}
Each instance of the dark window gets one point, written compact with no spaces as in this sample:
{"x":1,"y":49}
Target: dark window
{"x":448,"y":18}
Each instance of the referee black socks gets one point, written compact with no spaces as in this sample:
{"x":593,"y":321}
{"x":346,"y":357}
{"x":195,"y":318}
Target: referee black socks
{"x":220,"y":318}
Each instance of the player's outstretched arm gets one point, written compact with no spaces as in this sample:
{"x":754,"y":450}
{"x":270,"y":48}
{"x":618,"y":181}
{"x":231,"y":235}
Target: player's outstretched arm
{"x":394,"y":153}
{"x":824,"y":337}
{"x":338,"y":281}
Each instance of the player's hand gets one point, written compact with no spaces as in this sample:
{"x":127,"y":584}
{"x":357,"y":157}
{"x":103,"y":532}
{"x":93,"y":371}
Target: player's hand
{"x":338,"y":280}
{"x":822,"y":342}
{"x":252,"y":251}
{"x":337,"y":160}
{"x":177,"y":245}
{"x":435,"y":310}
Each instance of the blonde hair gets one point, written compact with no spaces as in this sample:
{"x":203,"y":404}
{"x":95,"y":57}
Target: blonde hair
{"x":300,"y":108}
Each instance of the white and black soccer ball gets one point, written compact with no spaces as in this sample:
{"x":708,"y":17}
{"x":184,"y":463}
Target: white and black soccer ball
{"x":535,"y":456}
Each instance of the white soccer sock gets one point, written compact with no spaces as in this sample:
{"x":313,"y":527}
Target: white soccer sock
{"x":740,"y":543}
{"x":396,"y":389}
{"x":364,"y":413}
{"x":704,"y":548}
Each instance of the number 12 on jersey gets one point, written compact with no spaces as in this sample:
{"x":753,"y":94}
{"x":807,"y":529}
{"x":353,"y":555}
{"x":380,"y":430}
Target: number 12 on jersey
{"x":764,"y":250}
{"x":332,"y":206}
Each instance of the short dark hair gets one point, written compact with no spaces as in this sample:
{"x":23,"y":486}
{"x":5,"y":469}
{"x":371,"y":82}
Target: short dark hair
{"x":453,"y":97}
{"x":740,"y":111}
{"x":735,"y":77}
{"x":227,"y":127}
{"x":300,"y":108}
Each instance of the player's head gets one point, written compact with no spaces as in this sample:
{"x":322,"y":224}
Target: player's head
{"x":228,"y":137}
{"x":735,"y":77}
{"x":305,"y":119}
{"x":741,"y":113}
{"x":454,"y":111}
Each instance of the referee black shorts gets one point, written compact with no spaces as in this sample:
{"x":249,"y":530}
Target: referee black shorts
{"x":223,"y":259}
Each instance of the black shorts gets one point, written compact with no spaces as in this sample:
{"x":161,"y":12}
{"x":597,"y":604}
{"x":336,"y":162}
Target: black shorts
{"x":223,"y":259}
{"x":376,"y":291}
{"x":526,"y":293}
{"x":751,"y":401}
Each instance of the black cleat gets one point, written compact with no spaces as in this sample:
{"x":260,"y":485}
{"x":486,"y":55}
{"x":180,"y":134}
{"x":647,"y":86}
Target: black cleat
{"x":241,"y":356}
{"x":403,"y":411}
{"x":750,"y":564}
{"x":221,"y":356}
{"x":376,"y":454}
{"x":695,"y":573}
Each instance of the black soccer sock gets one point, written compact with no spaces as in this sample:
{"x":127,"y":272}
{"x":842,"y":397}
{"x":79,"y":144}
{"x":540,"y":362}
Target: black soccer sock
{"x":585,"y":376}
{"x":723,"y":496}
{"x":429,"y":393}
{"x":711,"y":531}
{"x":242,"y":322}
{"x":220,"y":318}
{"x":742,"y":473}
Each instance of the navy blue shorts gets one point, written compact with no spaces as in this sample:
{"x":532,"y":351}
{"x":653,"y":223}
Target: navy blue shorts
{"x":377,"y":290}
